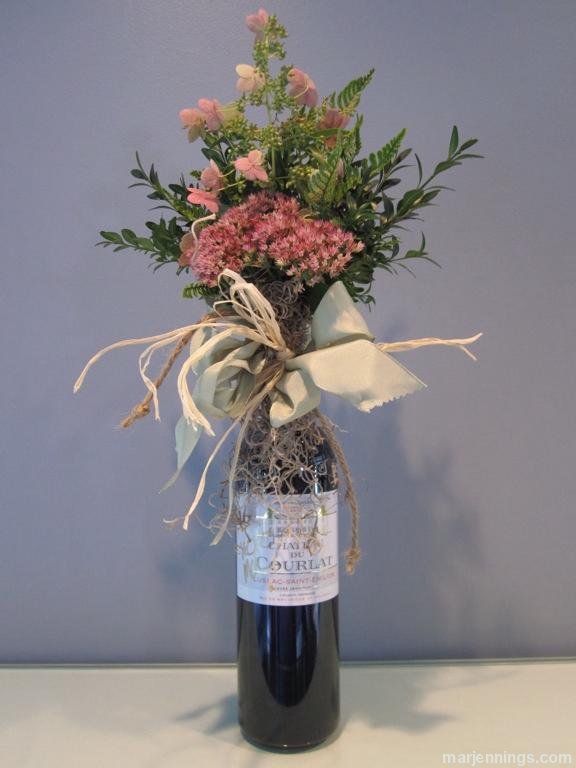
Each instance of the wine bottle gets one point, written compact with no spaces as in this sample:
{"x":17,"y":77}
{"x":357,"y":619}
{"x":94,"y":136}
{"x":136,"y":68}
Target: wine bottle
{"x":287,"y":612}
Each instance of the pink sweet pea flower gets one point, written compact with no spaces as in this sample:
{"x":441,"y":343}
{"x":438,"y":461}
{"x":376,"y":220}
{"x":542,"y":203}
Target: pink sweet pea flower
{"x":212,"y":112}
{"x":302,"y":88}
{"x":333,"y":119}
{"x":251,"y":166}
{"x":256,"y":22}
{"x":203,"y":197}
{"x":249,"y":79}
{"x":212,"y":178}
{"x":194,"y":121}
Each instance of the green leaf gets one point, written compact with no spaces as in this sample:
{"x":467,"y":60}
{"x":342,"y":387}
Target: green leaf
{"x":419,"y":164}
{"x":428,"y":197}
{"x":130,"y":237}
{"x":445,"y":165}
{"x":417,"y":254}
{"x":410,"y":200}
{"x":153,"y":175}
{"x":454,"y":140}
{"x":211,"y":154}
{"x":111,"y":237}
{"x":145,"y":244}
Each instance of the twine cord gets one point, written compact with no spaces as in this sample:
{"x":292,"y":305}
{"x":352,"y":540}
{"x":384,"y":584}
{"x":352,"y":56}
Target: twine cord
{"x":142,"y":408}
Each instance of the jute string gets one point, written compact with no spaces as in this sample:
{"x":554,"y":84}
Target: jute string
{"x":142,"y":408}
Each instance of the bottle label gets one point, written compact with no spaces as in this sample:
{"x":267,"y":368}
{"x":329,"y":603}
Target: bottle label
{"x":287,"y":548}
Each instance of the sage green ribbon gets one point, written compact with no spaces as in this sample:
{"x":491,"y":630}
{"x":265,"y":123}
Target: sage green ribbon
{"x":341,"y":359}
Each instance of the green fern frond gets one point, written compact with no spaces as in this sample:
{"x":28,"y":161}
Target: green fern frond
{"x":349,"y":98}
{"x":380,"y":160}
{"x":322,"y":183}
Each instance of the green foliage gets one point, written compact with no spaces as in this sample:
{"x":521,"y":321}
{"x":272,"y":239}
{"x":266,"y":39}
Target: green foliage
{"x":323,"y":180}
{"x":269,"y":46}
{"x":162,"y":245}
{"x":349,"y":98}
{"x":200,"y":291}
{"x":379,"y":162}
{"x":174,"y":198}
{"x":372,"y":214}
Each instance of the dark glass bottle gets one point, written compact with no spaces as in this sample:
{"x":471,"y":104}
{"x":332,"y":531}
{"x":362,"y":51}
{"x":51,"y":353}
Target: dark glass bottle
{"x":287,"y":613}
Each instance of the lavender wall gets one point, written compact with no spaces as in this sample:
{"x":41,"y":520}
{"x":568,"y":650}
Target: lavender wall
{"x":467,"y":489}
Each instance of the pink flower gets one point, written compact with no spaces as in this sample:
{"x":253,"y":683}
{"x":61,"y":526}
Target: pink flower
{"x":212,"y":178}
{"x":187,"y":250}
{"x":249,"y":79}
{"x":302,"y":88}
{"x":212,"y":112}
{"x":333,"y":120}
{"x":194,"y":121}
{"x":256,"y":22}
{"x":251,"y":166}
{"x":215,"y":114}
{"x":271,"y":229}
{"x":203,"y":197}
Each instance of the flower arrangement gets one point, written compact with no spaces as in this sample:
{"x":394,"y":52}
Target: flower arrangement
{"x":306,"y":157}
{"x":287,"y":212}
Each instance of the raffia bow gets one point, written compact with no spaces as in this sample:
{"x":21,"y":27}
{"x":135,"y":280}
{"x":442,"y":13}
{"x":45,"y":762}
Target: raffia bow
{"x":240,"y":358}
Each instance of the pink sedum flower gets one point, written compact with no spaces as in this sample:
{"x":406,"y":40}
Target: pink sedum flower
{"x":194,"y":121}
{"x":257,"y":21}
{"x":302,"y":88}
{"x":212,"y":178}
{"x":333,"y":120}
{"x":271,"y":229}
{"x":249,"y":78}
{"x":203,"y":197}
{"x":251,"y":166}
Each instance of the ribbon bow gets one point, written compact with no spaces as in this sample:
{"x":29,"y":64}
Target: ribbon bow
{"x":241,"y":357}
{"x":341,"y":358}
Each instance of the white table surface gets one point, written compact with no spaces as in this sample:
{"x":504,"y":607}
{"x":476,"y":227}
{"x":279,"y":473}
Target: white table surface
{"x":398,"y":715}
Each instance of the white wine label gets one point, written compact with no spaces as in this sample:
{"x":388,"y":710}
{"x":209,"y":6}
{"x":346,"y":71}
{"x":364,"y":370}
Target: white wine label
{"x":288,"y":548}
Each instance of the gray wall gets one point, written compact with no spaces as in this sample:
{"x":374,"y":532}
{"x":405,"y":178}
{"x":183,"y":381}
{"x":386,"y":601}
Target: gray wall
{"x":467,"y":489}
